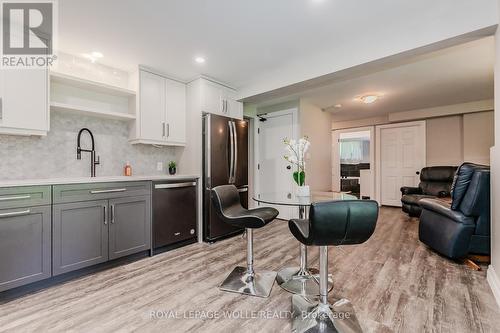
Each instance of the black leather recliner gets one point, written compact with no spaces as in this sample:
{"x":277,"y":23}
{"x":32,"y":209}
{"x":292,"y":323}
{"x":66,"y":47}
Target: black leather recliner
{"x":434,"y":182}
{"x":464,"y":226}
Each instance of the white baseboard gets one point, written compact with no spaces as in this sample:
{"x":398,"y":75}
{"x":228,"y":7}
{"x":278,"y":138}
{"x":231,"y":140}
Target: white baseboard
{"x":494,"y":283}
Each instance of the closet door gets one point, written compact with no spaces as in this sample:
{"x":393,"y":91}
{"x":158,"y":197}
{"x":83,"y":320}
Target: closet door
{"x":401,"y":150}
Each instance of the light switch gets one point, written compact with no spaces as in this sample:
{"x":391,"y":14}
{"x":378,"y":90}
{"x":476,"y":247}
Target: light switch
{"x":159,"y":166}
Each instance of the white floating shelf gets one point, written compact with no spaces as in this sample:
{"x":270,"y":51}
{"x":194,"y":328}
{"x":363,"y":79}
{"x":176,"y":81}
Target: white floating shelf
{"x":99,"y":87}
{"x":90,"y":112}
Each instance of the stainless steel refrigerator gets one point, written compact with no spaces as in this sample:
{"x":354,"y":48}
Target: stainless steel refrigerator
{"x":225,"y":161}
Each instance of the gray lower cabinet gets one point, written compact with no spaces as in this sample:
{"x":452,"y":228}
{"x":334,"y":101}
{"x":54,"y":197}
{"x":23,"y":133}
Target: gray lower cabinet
{"x":91,"y":232}
{"x":80,"y":235}
{"x":130,"y":226}
{"x":25,"y":254}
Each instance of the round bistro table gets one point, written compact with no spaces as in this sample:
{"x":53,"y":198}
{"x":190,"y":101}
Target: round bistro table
{"x":300,"y":280}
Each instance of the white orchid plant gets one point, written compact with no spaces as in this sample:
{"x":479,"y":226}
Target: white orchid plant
{"x":295,"y":154}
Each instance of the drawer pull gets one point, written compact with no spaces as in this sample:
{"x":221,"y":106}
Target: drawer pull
{"x":19,"y":197}
{"x":24,"y":212}
{"x":108,"y":191}
{"x":177,"y":234}
{"x":175,"y":185}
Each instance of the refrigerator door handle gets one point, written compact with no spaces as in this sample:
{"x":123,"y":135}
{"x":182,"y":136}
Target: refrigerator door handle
{"x":235,"y":167}
{"x":231,"y":153}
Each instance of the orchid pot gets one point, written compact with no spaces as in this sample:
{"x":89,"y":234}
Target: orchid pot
{"x":295,"y":154}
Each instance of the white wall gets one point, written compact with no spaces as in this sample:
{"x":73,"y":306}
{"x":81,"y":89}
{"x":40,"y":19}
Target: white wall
{"x":494,"y":269}
{"x":316,"y":124}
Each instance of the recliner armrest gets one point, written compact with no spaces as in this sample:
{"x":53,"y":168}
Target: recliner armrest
{"x":443,"y":209}
{"x":410,"y":190}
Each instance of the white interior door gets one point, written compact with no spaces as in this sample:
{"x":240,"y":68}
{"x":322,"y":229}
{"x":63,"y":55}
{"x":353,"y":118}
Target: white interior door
{"x":274,"y":174}
{"x":401,"y":150}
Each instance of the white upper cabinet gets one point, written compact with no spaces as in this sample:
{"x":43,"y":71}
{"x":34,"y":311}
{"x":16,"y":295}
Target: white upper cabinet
{"x":234,"y":109}
{"x":219,"y":99}
{"x":24,"y":105}
{"x":176,"y":112}
{"x":152,"y":106}
{"x":161,"y":115}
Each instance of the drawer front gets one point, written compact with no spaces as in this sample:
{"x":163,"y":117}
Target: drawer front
{"x":99,"y":191}
{"x":24,"y":196}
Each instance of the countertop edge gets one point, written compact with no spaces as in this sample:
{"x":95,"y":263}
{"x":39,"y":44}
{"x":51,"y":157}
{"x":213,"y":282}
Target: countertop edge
{"x":89,"y":180}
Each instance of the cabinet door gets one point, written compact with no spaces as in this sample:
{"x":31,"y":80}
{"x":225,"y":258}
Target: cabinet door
{"x":80,"y":235}
{"x":24,"y":104}
{"x":152,"y":106}
{"x":130,"y":226}
{"x":212,"y":98}
{"x":234,"y":108}
{"x":24,"y":246}
{"x":176,"y":112}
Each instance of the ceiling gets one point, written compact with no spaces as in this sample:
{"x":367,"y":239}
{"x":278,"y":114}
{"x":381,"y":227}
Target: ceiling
{"x":454,"y":75}
{"x":243,"y":40}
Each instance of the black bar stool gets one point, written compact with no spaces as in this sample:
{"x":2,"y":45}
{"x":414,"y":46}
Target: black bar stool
{"x":331,"y":223}
{"x":244,"y":280}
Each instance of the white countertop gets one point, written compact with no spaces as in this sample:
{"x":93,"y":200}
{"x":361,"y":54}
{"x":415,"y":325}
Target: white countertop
{"x":82,"y":180}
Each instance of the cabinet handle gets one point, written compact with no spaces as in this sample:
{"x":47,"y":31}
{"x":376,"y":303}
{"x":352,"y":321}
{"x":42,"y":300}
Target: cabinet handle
{"x":105,"y":215}
{"x":168,"y":129}
{"x":1,"y":109}
{"x":163,"y":129}
{"x":112,"y":214}
{"x":177,"y":234}
{"x":108,"y":191}
{"x":10,"y":214}
{"x":19,"y":197}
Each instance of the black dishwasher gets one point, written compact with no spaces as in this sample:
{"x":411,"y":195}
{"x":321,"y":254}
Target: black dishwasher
{"x":174,"y":213}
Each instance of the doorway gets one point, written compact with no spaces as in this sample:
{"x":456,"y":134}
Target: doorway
{"x":274,"y":174}
{"x":401,"y":155}
{"x":353,"y":160}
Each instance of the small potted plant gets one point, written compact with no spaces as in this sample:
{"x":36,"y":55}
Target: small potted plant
{"x":172,"y":167}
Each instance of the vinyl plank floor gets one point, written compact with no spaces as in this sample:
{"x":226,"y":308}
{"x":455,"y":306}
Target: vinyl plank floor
{"x":395,"y":283}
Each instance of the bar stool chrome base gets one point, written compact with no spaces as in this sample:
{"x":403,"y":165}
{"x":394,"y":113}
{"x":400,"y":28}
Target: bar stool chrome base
{"x":309,"y":316}
{"x":239,"y":281}
{"x":301,"y":282}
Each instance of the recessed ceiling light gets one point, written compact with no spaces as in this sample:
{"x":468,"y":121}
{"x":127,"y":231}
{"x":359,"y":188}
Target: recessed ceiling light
{"x":199,"y":60}
{"x":368,"y":99}
{"x":96,"y":54}
{"x":93,"y":56}
{"x":337,"y":106}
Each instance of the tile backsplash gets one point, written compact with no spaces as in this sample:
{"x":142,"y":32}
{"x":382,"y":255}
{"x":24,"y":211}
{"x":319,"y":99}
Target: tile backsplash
{"x":54,"y":156}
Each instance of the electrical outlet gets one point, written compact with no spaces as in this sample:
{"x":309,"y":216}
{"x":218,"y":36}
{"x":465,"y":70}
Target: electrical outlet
{"x":159,"y":166}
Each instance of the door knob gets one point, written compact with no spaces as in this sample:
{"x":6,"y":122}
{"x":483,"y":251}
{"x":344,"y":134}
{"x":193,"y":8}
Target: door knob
{"x":288,"y":167}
